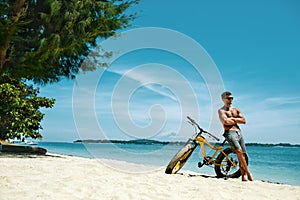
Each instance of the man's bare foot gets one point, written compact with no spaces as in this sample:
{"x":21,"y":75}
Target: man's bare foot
{"x":244,"y":178}
{"x":250,"y":177}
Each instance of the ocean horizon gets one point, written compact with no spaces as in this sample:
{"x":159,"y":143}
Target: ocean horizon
{"x":149,"y":141}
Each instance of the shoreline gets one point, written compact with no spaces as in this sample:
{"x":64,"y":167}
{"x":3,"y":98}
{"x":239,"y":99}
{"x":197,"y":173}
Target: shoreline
{"x":56,"y":176}
{"x":121,"y":165}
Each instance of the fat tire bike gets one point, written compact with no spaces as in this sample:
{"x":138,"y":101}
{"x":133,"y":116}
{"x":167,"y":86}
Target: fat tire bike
{"x":225,"y":161}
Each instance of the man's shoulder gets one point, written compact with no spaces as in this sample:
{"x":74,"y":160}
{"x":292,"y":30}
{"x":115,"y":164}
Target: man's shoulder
{"x":235,"y":108}
{"x":222,"y":109}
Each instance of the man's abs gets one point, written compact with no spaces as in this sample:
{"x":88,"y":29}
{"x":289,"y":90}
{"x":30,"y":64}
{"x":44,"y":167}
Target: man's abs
{"x":231,"y":127}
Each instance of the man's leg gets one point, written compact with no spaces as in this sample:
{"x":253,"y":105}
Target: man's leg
{"x":243,"y":165}
{"x":243,"y":152}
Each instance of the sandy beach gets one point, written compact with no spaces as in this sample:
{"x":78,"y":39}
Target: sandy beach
{"x":65,"y":177}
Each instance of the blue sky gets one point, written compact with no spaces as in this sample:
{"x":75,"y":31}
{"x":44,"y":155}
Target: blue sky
{"x":146,"y":93}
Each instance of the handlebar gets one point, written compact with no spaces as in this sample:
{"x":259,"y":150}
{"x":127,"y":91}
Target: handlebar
{"x":200,"y":129}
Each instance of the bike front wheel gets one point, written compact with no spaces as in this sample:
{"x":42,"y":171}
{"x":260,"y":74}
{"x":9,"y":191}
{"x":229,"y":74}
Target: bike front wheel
{"x":224,"y":167}
{"x":181,"y":157}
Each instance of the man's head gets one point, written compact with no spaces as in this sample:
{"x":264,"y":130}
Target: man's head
{"x":226,"y":94}
{"x":227,"y":98}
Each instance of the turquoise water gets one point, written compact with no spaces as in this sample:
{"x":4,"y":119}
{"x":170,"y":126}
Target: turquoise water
{"x":275,"y":164}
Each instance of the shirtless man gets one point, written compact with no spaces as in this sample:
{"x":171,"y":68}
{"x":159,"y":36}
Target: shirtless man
{"x":230,"y":118}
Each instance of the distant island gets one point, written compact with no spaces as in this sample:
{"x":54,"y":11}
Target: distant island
{"x":139,"y":141}
{"x":149,"y":142}
{"x":274,"y":145}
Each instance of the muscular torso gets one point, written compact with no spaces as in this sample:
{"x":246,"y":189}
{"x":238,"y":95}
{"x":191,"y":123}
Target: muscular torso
{"x":232,"y":112}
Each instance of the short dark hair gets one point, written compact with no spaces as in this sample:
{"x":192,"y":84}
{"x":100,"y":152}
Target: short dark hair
{"x":225,"y":94}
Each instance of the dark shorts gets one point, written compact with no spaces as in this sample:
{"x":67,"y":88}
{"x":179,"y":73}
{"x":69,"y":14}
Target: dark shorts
{"x":235,"y":139}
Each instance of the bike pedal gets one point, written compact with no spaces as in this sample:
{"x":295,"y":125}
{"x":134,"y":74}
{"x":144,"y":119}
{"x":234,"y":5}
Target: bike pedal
{"x":200,"y":164}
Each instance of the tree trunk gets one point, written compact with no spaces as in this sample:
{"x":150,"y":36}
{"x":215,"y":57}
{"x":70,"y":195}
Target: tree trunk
{"x":18,"y":11}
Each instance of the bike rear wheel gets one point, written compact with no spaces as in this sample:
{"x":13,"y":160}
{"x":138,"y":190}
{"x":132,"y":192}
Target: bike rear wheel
{"x":181,"y":157}
{"x":223,"y":166}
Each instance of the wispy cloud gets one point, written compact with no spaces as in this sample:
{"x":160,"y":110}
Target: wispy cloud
{"x":270,"y":119}
{"x":275,"y":101}
{"x":148,"y":80}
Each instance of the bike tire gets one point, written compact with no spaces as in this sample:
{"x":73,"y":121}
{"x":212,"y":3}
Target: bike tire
{"x":181,"y":157}
{"x":234,"y":173}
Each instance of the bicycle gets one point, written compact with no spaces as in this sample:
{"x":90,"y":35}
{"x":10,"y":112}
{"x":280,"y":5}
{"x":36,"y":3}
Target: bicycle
{"x":225,"y":164}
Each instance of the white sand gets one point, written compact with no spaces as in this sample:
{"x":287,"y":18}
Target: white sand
{"x":64,"y":177}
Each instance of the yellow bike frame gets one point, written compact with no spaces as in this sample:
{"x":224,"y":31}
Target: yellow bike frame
{"x":202,"y":141}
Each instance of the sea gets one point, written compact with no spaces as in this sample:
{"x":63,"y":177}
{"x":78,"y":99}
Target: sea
{"x":277,"y":164}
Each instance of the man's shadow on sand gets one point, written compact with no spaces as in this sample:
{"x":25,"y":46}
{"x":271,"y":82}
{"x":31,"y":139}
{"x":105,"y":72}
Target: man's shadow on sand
{"x":225,"y":178}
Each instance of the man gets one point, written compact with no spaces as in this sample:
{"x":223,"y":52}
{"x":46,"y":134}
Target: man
{"x":230,"y":118}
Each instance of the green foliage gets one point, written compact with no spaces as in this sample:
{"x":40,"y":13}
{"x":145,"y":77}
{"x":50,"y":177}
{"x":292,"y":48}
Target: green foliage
{"x":45,"y":40}
{"x":19,"y":109}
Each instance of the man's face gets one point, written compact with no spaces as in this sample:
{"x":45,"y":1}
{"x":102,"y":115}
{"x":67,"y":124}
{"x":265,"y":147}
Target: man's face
{"x":228,"y":100}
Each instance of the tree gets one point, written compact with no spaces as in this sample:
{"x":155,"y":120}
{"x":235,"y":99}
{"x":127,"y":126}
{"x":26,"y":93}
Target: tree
{"x":19,"y":109}
{"x":45,"y":41}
